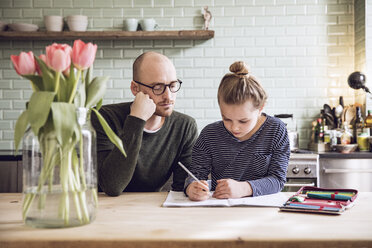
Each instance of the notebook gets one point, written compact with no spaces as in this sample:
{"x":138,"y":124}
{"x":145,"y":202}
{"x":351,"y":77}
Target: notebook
{"x":178,"y":199}
{"x":320,"y":200}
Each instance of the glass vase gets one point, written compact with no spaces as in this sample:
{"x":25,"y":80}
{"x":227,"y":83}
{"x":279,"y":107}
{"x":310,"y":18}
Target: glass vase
{"x":60,"y":180}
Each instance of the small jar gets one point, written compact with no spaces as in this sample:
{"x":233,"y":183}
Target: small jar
{"x":363,"y":142}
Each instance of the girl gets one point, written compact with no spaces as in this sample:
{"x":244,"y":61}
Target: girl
{"x":247,"y":152}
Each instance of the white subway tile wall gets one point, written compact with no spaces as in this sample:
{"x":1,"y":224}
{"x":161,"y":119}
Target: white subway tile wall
{"x":301,"y":51}
{"x":368,"y":50}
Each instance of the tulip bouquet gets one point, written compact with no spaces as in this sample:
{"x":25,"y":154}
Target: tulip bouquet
{"x":62,"y":85}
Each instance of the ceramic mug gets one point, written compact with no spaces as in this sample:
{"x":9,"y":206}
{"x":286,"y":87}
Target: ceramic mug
{"x":130,"y":24}
{"x":148,"y":24}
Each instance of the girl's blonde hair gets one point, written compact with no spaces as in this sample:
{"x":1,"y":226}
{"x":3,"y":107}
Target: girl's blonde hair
{"x":239,"y":86}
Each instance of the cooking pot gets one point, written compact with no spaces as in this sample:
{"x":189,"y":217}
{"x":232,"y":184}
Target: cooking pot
{"x":291,"y":125}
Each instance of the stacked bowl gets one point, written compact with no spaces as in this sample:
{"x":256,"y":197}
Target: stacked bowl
{"x":78,"y":23}
{"x":53,"y":23}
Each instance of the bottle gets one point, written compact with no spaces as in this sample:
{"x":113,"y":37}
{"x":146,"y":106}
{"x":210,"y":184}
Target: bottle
{"x":346,"y":136}
{"x":333,"y":137}
{"x":368,"y":122}
{"x":327,"y":135}
{"x":322,"y":116}
{"x":315,"y":133}
{"x":358,"y":124}
{"x":341,"y":101}
{"x":320,"y":129}
{"x":363,"y":142}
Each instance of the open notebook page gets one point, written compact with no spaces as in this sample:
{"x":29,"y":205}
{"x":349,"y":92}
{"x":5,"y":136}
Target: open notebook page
{"x":178,"y":199}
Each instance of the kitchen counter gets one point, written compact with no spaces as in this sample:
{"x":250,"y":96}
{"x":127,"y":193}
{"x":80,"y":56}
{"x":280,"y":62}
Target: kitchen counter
{"x":332,"y":154}
{"x":352,"y":155}
{"x":138,"y":220}
{"x":10,"y":155}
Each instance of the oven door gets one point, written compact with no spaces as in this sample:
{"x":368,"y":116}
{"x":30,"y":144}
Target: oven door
{"x":294,"y":184}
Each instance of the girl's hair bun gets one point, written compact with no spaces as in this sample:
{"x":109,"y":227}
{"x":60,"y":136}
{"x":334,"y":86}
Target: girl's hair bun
{"x":239,"y":68}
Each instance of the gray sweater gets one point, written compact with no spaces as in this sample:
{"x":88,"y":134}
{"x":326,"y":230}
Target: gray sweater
{"x":151,"y":157}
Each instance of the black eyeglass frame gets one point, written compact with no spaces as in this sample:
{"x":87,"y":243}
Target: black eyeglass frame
{"x":165,"y":86}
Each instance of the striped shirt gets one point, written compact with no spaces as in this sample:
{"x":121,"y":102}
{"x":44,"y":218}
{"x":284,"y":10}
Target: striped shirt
{"x":261,"y":160}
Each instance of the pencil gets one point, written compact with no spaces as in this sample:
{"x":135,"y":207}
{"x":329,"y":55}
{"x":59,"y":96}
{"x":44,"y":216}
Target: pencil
{"x":192,"y":175}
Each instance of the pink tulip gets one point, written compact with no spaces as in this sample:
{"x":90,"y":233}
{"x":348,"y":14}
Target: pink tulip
{"x":58,"y":56}
{"x":24,"y":63}
{"x":83,"y":55}
{"x":43,"y":58}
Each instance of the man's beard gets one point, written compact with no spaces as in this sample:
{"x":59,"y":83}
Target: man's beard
{"x":164,"y":113}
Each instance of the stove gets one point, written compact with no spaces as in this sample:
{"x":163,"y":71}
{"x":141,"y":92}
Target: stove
{"x":303,"y":170}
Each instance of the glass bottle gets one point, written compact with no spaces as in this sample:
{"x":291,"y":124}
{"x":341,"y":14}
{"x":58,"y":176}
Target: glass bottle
{"x":322,"y":116}
{"x":358,"y":124}
{"x":321,"y":131}
{"x":316,"y":131}
{"x":60,"y":183}
{"x":327,"y":135}
{"x":346,"y":136}
{"x":368,"y":123}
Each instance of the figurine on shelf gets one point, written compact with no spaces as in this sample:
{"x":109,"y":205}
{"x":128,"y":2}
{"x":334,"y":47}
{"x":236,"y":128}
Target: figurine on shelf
{"x":207,"y":17}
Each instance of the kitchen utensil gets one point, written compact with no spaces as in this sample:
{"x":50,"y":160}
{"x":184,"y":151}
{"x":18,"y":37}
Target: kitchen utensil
{"x":344,"y":113}
{"x":338,"y":111}
{"x":329,"y":118}
{"x":291,"y":129}
{"x":23,"y":27}
{"x":350,"y":115}
{"x":327,"y":109}
{"x":357,"y":80}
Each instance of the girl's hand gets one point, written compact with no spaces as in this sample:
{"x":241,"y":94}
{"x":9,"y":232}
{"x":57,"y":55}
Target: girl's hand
{"x":229,"y":188}
{"x":197,"y":192}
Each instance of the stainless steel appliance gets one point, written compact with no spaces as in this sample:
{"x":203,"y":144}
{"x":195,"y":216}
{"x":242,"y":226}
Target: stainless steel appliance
{"x":291,"y":125}
{"x":353,"y":173}
{"x":303,"y":170}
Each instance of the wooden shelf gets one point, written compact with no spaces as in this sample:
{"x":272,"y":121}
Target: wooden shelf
{"x":110,"y":35}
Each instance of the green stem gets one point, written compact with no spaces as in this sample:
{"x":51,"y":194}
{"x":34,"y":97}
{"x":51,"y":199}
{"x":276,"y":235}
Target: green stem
{"x":81,"y":165}
{"x":83,"y":202}
{"x":29,"y":198}
{"x":72,"y":96}
{"x":77,"y":206}
{"x":48,"y":149}
{"x":64,"y":176}
{"x":56,"y":89}
{"x":95,"y":196}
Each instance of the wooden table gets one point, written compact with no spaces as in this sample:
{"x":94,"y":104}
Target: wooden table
{"x":138,"y":220}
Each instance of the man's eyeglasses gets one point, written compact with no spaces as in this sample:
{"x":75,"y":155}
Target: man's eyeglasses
{"x":159,"y":88}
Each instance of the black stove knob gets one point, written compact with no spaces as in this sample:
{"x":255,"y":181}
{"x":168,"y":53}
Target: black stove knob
{"x":296,"y":170}
{"x":307,"y":170}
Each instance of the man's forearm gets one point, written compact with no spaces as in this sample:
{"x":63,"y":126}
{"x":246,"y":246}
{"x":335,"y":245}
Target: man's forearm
{"x":115,"y":170}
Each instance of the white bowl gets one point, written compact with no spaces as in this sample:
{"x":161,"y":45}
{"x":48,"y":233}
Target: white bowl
{"x":77,"y":26}
{"x":53,"y":23}
{"x":23,"y":27}
{"x":77,"y":18}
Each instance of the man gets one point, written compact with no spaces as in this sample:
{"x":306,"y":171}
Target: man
{"x":154,"y":136}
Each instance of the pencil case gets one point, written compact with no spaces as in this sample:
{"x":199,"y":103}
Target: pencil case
{"x":320,"y":200}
